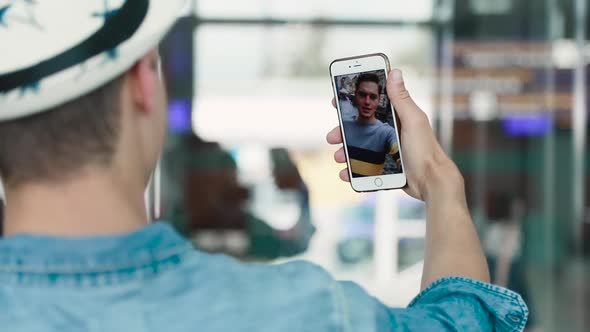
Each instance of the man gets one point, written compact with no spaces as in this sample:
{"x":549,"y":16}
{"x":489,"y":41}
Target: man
{"x":347,"y":109}
{"x":78,"y":254}
{"x":369,"y":140}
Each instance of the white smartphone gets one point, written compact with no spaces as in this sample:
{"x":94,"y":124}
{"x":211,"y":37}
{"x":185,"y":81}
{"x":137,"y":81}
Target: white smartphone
{"x":368,"y":123}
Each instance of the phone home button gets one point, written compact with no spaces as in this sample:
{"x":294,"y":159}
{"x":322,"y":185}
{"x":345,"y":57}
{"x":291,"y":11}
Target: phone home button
{"x":378,"y":182}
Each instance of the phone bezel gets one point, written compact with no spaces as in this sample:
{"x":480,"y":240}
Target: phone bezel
{"x":359,"y":64}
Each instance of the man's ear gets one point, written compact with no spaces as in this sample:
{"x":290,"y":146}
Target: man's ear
{"x":144,"y":82}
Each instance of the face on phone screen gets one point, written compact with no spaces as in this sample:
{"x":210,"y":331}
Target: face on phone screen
{"x":368,"y":123}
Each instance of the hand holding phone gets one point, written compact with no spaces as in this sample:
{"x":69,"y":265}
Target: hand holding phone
{"x":367,"y":121}
{"x":430,"y":172}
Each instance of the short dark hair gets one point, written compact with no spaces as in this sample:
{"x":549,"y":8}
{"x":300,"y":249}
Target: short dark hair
{"x":368,"y":77}
{"x":60,"y":142}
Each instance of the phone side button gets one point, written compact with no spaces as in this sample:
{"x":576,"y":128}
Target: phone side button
{"x":378,"y":182}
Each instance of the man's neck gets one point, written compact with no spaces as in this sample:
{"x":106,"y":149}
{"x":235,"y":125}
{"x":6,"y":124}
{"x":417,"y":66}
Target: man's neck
{"x":363,"y":120}
{"x":90,"y":205}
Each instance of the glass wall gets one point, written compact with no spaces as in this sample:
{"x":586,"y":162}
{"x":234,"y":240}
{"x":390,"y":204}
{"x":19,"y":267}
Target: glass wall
{"x":518,"y":132}
{"x":247,"y":171}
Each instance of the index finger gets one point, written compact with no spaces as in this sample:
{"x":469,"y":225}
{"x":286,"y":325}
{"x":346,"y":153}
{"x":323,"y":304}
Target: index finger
{"x":334,"y":136}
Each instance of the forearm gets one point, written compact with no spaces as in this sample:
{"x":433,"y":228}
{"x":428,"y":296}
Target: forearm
{"x":452,"y":245}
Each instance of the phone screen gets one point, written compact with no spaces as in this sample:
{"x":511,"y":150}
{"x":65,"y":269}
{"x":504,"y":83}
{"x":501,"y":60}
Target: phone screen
{"x":368,"y":121}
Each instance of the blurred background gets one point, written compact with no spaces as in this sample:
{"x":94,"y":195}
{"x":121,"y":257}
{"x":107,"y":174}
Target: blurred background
{"x":247,"y":171}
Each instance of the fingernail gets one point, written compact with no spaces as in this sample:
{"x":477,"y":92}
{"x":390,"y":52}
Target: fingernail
{"x":397,"y":75}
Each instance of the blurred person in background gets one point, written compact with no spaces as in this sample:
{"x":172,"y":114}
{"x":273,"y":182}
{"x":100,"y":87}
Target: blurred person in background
{"x":213,"y":197}
{"x":212,"y":206}
{"x":347,"y":108}
{"x":213,"y":209}
{"x":503,"y":245}
{"x":290,"y":186}
{"x":79,"y":139}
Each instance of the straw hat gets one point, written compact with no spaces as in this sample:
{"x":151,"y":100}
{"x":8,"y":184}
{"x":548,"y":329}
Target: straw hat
{"x":54,"y":51}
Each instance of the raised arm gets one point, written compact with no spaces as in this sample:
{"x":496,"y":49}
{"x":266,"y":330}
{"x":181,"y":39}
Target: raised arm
{"x":452,"y":244}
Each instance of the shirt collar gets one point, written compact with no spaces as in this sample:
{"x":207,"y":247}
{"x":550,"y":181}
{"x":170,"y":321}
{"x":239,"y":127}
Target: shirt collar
{"x":38,"y":253}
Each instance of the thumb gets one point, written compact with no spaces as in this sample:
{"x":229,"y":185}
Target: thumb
{"x":396,"y":90}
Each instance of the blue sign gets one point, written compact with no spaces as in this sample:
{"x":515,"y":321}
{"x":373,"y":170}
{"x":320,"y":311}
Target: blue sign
{"x":525,"y":125}
{"x":180,"y":116}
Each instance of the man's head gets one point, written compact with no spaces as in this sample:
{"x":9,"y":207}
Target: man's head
{"x":367,"y":95}
{"x":78,"y":101}
{"x":118,"y":128}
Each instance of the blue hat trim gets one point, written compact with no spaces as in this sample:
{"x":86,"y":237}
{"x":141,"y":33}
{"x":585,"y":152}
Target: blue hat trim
{"x":119,"y":26}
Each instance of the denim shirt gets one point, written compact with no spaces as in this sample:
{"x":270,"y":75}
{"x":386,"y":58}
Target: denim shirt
{"x":153,"y":280}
